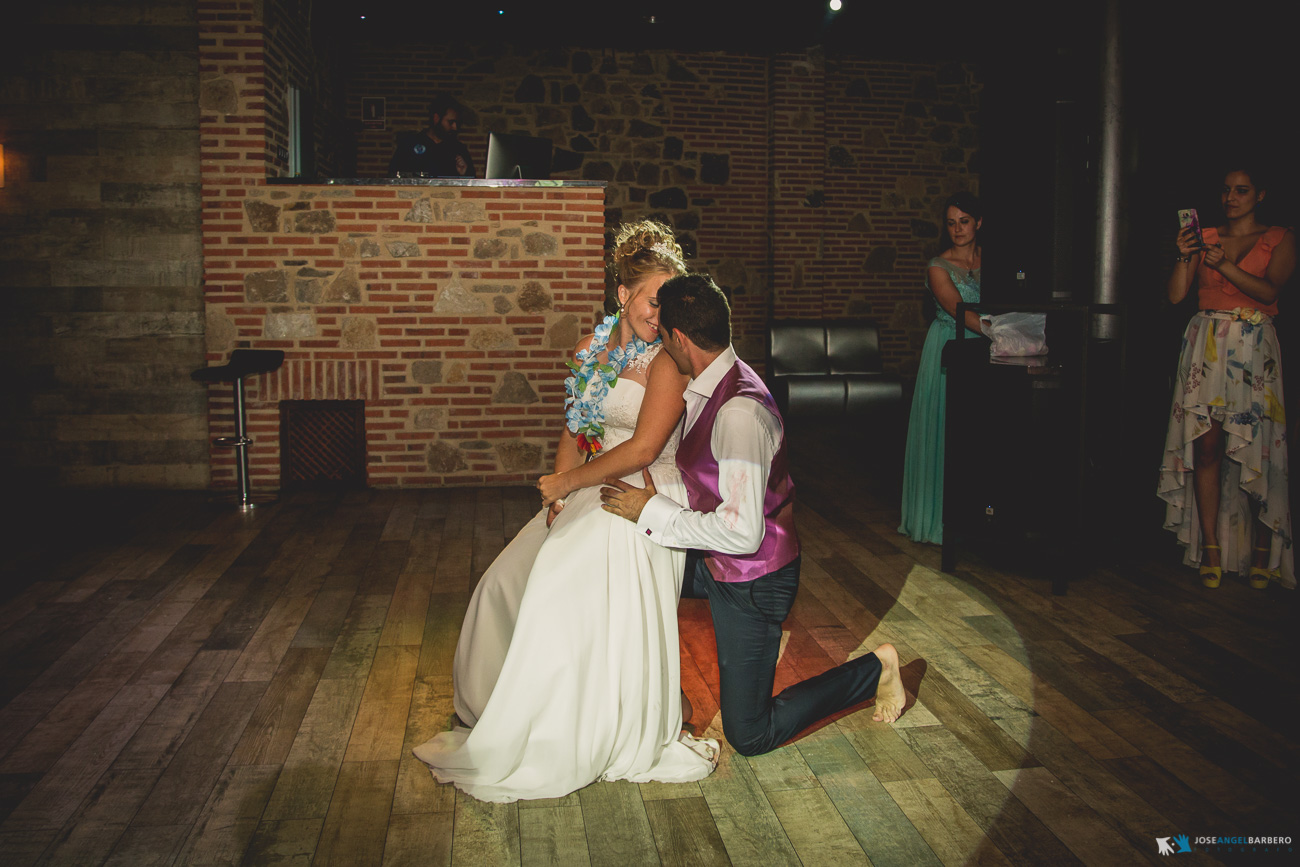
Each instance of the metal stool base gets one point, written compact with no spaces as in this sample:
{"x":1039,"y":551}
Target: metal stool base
{"x":233,"y":499}
{"x":243,"y":362}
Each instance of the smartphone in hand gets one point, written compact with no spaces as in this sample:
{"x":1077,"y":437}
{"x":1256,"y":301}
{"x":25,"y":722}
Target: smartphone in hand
{"x":1187,"y":219}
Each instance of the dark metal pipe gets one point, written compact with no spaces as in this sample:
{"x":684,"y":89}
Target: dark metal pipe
{"x":1109,"y":175}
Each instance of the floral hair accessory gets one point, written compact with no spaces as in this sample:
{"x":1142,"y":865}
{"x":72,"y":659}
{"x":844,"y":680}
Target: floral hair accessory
{"x":592,"y":380}
{"x":662,"y":248}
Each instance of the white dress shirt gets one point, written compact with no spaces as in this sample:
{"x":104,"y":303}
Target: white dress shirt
{"x":744,"y":440}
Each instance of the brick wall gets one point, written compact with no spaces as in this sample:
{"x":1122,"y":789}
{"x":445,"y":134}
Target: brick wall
{"x":799,"y":186}
{"x":807,"y":183}
{"x":99,"y":246}
{"x":449,"y":309}
{"x":900,"y":138}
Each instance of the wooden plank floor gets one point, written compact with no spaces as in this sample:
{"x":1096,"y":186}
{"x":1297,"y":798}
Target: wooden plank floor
{"x":183,"y":685}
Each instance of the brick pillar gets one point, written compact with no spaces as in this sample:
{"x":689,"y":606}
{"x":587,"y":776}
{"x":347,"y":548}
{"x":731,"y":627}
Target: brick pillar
{"x":233,"y":152}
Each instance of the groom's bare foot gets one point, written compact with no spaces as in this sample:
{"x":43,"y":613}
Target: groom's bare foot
{"x":687,"y":710}
{"x":890,"y":695}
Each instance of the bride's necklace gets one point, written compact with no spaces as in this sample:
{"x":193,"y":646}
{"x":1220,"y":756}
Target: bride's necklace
{"x":591,"y":381}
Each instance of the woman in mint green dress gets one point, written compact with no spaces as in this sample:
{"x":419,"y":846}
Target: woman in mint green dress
{"x":953,"y":276}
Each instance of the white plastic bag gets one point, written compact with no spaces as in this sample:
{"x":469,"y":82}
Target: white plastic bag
{"x":1016,"y":333}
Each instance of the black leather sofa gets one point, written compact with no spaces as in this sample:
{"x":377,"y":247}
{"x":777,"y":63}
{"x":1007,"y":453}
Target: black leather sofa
{"x":831,"y":368}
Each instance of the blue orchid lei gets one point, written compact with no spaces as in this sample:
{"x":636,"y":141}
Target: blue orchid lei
{"x":584,"y":408}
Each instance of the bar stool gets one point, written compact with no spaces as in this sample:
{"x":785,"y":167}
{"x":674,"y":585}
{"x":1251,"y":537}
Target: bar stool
{"x":243,"y":362}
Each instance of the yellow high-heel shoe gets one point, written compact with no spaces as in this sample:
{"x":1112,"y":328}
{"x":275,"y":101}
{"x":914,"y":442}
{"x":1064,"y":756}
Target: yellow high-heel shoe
{"x":1211,"y":575}
{"x":1260,"y":575}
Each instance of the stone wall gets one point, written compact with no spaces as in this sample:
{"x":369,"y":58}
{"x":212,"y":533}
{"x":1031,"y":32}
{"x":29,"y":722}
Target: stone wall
{"x":450,"y":310}
{"x":807,"y":183}
{"x":99,"y":246}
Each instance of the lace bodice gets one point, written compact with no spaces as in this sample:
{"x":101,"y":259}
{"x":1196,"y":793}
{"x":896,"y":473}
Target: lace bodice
{"x":967,"y":283}
{"x":623,"y":405}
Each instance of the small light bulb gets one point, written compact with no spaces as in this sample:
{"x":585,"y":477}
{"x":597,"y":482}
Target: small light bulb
{"x":836,"y":5}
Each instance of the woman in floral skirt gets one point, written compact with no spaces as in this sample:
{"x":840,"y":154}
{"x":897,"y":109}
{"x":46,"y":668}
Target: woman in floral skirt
{"x":1224,"y":473}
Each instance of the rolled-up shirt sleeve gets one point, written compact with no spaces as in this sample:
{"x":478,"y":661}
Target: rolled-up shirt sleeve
{"x":744,"y":440}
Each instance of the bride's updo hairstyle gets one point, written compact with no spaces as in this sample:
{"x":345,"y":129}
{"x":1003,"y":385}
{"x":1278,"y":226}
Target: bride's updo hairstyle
{"x":643,"y":248}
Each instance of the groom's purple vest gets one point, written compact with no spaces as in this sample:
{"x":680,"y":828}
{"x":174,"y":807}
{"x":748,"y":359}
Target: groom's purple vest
{"x":700,"y":474}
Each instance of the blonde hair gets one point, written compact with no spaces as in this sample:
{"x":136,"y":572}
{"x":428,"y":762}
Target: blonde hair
{"x":643,"y":248}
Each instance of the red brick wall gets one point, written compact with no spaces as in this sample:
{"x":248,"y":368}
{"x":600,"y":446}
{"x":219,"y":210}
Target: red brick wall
{"x":723,"y":113}
{"x":835,"y":165}
{"x":449,"y":310}
{"x":798,"y":182}
{"x":807,"y":185}
{"x":233,"y":151}
{"x":900,"y":138}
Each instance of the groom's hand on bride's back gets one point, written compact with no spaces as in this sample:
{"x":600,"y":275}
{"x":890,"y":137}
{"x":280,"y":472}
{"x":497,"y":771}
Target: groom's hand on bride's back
{"x":626,"y":500}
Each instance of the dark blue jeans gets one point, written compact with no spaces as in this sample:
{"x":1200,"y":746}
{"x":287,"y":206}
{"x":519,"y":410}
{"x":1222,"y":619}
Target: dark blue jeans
{"x":747,"y":618}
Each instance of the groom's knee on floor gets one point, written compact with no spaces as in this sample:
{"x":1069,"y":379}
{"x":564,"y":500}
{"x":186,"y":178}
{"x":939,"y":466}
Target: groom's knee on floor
{"x":751,"y":747}
{"x":748,"y":739}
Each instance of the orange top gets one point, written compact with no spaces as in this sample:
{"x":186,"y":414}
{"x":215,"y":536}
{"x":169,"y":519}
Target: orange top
{"x":1216,"y":293}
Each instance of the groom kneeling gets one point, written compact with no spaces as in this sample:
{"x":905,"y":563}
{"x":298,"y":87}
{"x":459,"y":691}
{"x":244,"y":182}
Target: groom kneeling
{"x":733,"y":462}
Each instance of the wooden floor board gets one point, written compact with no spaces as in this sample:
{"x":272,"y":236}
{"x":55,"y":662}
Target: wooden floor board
{"x":553,"y":836}
{"x":947,"y":829}
{"x":155,"y":846}
{"x":1194,"y":769}
{"x":356,"y":825}
{"x":617,"y":827}
{"x":486,"y":834}
{"x":881,"y":828}
{"x":311,"y":768}
{"x":190,"y":776}
{"x":418,"y":840}
{"x":185,"y":685}
{"x":229,"y":818}
{"x":284,"y":842}
{"x":684,"y":833}
{"x":271,"y":730}
{"x":1086,"y":834}
{"x":163,"y":734}
{"x":815,"y":827}
{"x":431,"y":712}
{"x":71,"y":778}
{"x":1012,"y":828}
{"x":1092,"y":782}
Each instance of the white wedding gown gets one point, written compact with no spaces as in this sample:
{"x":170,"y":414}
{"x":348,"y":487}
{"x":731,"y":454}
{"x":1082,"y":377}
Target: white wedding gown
{"x":567,"y":665}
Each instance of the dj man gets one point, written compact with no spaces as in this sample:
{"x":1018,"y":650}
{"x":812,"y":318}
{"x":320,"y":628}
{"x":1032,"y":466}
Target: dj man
{"x":436,"y":151}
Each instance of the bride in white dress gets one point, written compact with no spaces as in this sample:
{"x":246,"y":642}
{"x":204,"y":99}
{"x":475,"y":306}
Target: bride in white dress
{"x":567,"y":667}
